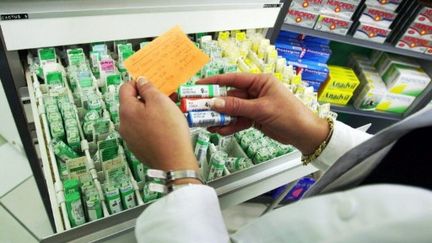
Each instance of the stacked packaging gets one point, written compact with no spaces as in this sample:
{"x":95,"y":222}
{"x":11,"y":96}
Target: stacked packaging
{"x":333,"y":16}
{"x":308,"y":55}
{"x":339,"y":87}
{"x":376,"y":20}
{"x":415,"y":32}
{"x":388,"y":82}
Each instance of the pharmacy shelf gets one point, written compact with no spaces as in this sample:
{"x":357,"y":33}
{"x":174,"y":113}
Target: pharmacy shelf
{"x":372,"y":114}
{"x":348,"y":39}
{"x":232,"y":190}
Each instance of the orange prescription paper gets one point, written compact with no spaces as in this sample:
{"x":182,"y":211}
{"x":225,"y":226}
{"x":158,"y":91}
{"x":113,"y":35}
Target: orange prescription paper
{"x":167,"y":61}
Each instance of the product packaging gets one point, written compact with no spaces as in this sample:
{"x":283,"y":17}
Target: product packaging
{"x":333,"y":25}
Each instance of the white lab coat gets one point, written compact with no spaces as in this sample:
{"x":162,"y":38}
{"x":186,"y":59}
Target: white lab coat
{"x":380,"y":213}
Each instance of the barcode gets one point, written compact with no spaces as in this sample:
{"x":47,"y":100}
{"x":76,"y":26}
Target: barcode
{"x":208,"y":122}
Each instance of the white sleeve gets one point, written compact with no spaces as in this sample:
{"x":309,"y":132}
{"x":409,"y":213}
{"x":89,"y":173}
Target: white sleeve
{"x":190,"y":214}
{"x":343,"y":139}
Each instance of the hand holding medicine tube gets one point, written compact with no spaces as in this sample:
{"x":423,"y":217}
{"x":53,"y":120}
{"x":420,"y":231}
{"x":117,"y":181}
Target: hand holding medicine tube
{"x":263,"y":101}
{"x":154,"y":128}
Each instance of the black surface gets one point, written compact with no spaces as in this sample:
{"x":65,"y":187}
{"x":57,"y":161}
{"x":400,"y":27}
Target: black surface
{"x":23,"y":130}
{"x":409,"y":162}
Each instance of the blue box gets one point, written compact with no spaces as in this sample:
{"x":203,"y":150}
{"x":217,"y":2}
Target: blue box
{"x":295,"y":50}
{"x":296,"y":192}
{"x":312,"y":71}
{"x":283,"y":35}
{"x":316,"y":85}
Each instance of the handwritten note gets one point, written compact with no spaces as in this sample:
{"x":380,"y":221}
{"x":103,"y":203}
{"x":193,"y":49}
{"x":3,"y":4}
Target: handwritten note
{"x":167,"y":61}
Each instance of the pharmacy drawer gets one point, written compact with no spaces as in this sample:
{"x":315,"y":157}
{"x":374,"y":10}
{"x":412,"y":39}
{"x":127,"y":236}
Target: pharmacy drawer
{"x":232,"y":190}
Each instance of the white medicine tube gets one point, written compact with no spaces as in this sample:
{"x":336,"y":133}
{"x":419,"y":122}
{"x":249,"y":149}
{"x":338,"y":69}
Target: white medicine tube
{"x":201,"y":91}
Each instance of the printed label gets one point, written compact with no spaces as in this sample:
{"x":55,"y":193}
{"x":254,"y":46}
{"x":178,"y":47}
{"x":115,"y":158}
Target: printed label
{"x":420,"y":30}
{"x":334,"y":25}
{"x":425,"y":16}
{"x":77,"y":212}
{"x":156,"y":174}
{"x":387,"y":4}
{"x":412,"y":43}
{"x":195,"y":105}
{"x":371,"y":33}
{"x":339,"y":8}
{"x":308,"y":5}
{"x":301,"y":18}
{"x":14,"y":16}
{"x":379,"y":17}
{"x":196,"y":91}
{"x":107,"y":66}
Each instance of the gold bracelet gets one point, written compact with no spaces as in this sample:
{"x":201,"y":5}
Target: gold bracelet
{"x":306,"y":159}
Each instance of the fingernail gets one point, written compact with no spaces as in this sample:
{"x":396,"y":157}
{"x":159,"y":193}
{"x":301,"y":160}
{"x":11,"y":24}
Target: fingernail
{"x":217,"y":103}
{"x":141,"y":81}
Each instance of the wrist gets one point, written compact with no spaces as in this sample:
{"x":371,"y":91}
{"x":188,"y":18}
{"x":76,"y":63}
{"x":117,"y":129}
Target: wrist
{"x":315,"y":133}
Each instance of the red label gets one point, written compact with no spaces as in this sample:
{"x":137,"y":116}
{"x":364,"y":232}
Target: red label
{"x":381,"y":14}
{"x":413,"y":42}
{"x":377,"y":31}
{"x":427,"y":12}
{"x":301,"y":14}
{"x":341,"y":23}
{"x":422,"y":29}
{"x":313,"y":1}
{"x":341,"y":5}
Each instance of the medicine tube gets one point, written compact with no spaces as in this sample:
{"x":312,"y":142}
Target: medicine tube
{"x":201,"y":91}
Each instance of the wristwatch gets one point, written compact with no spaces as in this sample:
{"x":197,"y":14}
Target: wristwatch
{"x":173,"y":175}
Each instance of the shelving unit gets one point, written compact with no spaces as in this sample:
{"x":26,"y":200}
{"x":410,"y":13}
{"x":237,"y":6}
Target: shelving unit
{"x":380,"y":120}
{"x":348,"y":39}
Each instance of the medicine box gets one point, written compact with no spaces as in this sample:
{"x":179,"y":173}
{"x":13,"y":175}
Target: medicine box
{"x":307,"y":39}
{"x":339,"y":8}
{"x":307,"y":5}
{"x":371,"y":33}
{"x":413,"y":44}
{"x":333,"y":25}
{"x":377,"y":16}
{"x":424,"y":16}
{"x":341,"y":78}
{"x":386,"y":60}
{"x":391,"y":5}
{"x":370,"y":91}
{"x":334,"y":96}
{"x":407,"y":81}
{"x":395,"y":103}
{"x":419,"y":30}
{"x":313,"y":71}
{"x":294,"y":50}
{"x":301,"y":18}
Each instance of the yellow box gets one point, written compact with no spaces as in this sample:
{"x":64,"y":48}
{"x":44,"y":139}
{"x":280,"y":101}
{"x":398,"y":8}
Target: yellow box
{"x":334,"y":96}
{"x":341,"y":78}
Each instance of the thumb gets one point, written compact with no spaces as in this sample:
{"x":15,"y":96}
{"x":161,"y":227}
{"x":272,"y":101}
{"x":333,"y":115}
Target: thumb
{"x":146,"y":89}
{"x":234,"y":106}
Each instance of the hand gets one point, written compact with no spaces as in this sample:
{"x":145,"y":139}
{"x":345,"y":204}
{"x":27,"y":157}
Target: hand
{"x":154,"y":128}
{"x":264,"y":101}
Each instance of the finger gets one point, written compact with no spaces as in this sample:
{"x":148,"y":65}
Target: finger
{"x":236,"y":80}
{"x":238,"y":93}
{"x":241,"y":124}
{"x":234,"y":106}
{"x":128,"y":93}
{"x":146,"y":89}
